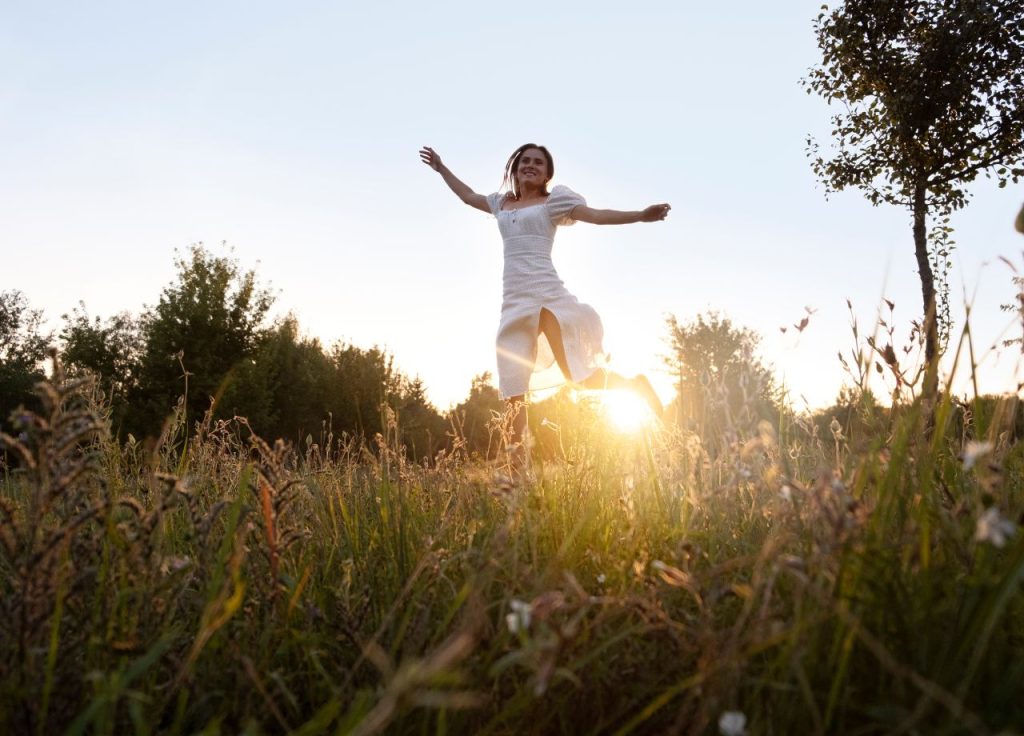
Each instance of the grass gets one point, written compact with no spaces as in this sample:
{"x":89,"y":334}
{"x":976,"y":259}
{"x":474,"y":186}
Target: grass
{"x":647,"y":583}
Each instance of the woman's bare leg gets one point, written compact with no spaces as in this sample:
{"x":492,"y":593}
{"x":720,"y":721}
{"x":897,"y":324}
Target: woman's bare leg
{"x":601,"y":379}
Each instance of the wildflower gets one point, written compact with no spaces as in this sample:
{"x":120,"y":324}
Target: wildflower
{"x":520,"y":616}
{"x":993,"y":528}
{"x":974,"y":451}
{"x":601,"y":578}
{"x":174,"y":564}
{"x":732,"y":723}
{"x":786,"y":492}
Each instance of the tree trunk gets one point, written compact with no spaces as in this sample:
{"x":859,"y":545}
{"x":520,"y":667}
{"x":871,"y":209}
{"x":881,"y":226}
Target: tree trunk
{"x":928,"y":327}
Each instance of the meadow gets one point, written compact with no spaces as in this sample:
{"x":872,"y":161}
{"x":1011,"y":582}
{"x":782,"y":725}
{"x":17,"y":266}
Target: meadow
{"x":769,"y":579}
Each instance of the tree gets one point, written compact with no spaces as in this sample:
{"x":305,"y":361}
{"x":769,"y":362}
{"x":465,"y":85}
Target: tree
{"x":474,"y":418}
{"x":110,"y":349}
{"x":23,"y":346}
{"x":422,"y":429}
{"x":204,"y":325}
{"x":721,"y":383}
{"x":933,"y":95}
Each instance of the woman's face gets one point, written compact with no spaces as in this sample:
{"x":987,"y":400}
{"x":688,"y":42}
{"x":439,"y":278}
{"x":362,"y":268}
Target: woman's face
{"x":532,"y":171}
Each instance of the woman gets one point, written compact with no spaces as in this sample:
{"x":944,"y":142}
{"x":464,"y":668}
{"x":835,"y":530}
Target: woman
{"x":538,"y":313}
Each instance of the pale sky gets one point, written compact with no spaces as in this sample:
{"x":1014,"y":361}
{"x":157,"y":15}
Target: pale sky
{"x":291,"y":132}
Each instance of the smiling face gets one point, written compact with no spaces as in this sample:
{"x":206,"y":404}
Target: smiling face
{"x":533,"y":170}
{"x":528,"y":170}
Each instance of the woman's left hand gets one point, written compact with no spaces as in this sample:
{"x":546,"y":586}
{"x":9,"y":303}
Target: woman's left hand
{"x":655,"y":212}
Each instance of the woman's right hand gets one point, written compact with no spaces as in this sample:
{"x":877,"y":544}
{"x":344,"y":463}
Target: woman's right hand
{"x":429,"y":156}
{"x":655,"y":212}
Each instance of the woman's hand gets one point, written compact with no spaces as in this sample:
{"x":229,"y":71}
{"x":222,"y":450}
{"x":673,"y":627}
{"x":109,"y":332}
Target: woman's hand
{"x":430,"y":158}
{"x":655,"y":212}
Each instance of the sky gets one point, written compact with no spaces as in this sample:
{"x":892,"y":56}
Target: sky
{"x":289,"y":132}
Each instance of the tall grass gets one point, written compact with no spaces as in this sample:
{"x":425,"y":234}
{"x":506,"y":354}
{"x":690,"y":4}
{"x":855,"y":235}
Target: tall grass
{"x":862,"y":583}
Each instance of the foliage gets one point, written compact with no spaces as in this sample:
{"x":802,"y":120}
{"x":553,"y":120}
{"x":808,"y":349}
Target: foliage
{"x":854,"y":413}
{"x":111,"y":349}
{"x":477,"y":420}
{"x":201,"y":329}
{"x":292,"y":388}
{"x":721,"y":382}
{"x":932,"y":95}
{"x":206,"y":345}
{"x":23,"y":346}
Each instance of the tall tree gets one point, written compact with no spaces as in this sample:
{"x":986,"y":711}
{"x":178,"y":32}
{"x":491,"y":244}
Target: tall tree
{"x":721,"y":382}
{"x":23,"y":346}
{"x":932,"y":94}
{"x":474,"y":418}
{"x":203,"y":326}
{"x":110,"y":349}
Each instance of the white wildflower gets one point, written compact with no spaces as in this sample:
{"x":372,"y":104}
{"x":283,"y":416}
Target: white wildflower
{"x":974,"y":451}
{"x":174,"y":564}
{"x":601,"y":578}
{"x":786,"y":492}
{"x":732,"y":723}
{"x":520,"y":616}
{"x":993,"y":528}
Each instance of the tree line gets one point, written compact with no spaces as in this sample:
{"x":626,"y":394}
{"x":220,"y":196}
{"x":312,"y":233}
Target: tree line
{"x":208,"y":350}
{"x":207,"y":346}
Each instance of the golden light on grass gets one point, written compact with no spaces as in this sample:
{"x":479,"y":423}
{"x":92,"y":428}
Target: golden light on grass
{"x":625,"y":411}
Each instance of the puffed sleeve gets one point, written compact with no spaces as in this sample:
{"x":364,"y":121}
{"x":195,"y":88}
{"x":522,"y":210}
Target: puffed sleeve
{"x":494,"y":201}
{"x":561,"y":202}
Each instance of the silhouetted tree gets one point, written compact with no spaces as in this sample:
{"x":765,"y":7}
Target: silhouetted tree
{"x":474,"y":418}
{"x":422,"y":429}
{"x":932,"y":94}
{"x":204,"y":325}
{"x":23,"y":346}
{"x":110,"y":349}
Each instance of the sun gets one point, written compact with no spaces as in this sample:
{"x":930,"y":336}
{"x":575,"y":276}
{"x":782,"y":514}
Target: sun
{"x":625,"y":411}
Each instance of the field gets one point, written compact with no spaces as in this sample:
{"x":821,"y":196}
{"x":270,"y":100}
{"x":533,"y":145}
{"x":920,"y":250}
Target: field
{"x":772,"y":579}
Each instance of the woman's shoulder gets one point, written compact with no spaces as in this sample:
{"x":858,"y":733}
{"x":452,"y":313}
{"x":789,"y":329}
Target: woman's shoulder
{"x":495,"y":200}
{"x":561,"y":193}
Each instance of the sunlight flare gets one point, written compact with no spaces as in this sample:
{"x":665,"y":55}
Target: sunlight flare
{"x":625,"y":411}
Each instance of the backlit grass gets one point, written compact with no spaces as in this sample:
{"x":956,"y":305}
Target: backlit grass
{"x":646,"y":582}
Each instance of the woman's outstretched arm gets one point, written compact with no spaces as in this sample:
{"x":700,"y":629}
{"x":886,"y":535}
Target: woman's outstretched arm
{"x":655,"y":212}
{"x":467,"y":195}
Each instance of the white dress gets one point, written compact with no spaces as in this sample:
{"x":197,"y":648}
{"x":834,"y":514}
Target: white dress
{"x":530,"y":284}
